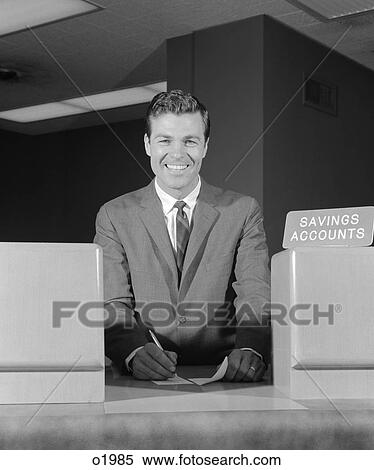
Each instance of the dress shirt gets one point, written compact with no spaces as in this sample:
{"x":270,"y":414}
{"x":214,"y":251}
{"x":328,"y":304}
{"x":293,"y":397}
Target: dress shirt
{"x":170,"y":212}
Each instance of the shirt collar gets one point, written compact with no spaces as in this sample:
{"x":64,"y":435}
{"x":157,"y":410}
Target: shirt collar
{"x":168,"y":201}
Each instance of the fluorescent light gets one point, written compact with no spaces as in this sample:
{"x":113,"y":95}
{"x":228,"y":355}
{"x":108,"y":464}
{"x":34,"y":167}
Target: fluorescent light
{"x":333,"y":9}
{"x":91,"y":103}
{"x":17,"y":15}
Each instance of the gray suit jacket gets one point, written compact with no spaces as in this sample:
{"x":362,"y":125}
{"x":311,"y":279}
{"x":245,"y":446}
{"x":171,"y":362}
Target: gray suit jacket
{"x":219,"y":304}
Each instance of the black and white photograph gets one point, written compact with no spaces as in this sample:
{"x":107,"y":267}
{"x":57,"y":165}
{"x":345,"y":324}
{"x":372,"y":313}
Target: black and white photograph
{"x":186,"y":243}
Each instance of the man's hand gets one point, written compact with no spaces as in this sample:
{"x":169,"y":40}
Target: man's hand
{"x":151,"y":363}
{"x":244,"y":366}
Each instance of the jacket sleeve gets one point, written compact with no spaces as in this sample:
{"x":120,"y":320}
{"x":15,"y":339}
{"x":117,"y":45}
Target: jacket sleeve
{"x":252,"y":285}
{"x":122,"y":332}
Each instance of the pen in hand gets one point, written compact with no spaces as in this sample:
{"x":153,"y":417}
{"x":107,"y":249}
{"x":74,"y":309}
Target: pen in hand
{"x":155,"y":340}
{"x":157,"y":343}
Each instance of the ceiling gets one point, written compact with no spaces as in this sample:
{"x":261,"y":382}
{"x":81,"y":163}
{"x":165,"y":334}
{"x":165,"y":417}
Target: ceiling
{"x":124,"y":45}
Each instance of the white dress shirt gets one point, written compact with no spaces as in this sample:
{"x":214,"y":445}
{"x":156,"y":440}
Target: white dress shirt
{"x":170,"y":214}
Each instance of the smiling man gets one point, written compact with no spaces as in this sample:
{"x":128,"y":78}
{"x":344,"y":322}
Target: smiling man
{"x":186,"y":276}
{"x":177,"y":144}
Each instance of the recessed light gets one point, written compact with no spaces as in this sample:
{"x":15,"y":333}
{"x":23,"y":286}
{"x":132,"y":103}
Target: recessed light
{"x":334,"y":9}
{"x":18,"y":15}
{"x":87,"y":104}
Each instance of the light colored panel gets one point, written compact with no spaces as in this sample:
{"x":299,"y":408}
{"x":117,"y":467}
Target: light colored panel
{"x":52,"y":387}
{"x":332,"y":361}
{"x":32,"y":277}
{"x":39,"y":361}
{"x":332,"y":384}
{"x":343,"y":277}
{"x":281,"y":277}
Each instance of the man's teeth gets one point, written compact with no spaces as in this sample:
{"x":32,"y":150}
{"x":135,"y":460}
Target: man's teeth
{"x":176,"y":167}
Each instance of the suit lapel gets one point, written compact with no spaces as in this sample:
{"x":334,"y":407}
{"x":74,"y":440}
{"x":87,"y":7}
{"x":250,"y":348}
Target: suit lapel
{"x":153,"y":219}
{"x":204,"y":218}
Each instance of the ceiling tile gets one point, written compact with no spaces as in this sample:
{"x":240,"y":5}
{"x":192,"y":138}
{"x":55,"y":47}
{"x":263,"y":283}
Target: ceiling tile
{"x":94,"y":73}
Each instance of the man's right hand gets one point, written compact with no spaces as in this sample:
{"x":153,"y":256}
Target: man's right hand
{"x":152,"y":363}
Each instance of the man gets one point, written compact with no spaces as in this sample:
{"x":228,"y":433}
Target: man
{"x":174,"y":251}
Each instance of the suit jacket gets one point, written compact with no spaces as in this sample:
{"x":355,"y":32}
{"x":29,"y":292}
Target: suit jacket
{"x":219,"y":304}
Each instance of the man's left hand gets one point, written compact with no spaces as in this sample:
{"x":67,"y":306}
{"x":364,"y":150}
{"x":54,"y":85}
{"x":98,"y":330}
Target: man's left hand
{"x":244,"y":366}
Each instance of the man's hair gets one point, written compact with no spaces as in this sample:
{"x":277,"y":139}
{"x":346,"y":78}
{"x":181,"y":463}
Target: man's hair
{"x":176,"y":102}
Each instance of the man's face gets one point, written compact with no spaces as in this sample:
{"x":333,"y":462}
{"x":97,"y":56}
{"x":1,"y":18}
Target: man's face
{"x":176,"y":147}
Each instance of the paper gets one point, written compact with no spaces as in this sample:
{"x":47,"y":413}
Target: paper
{"x":220,"y":373}
{"x":176,"y":380}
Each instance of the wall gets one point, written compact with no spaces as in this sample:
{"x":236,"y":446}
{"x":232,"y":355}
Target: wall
{"x":54,"y":184}
{"x":313,"y":160}
{"x":30,"y":191}
{"x":246,"y":72}
{"x":223,"y":67}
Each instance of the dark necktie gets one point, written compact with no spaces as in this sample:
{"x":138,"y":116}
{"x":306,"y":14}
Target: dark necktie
{"x":183,"y":233}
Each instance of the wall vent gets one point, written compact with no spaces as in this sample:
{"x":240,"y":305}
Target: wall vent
{"x":320,"y":95}
{"x":8,"y":74}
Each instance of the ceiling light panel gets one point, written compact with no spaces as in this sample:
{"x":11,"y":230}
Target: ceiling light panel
{"x":334,"y":9}
{"x":18,"y":15}
{"x":91,"y":103}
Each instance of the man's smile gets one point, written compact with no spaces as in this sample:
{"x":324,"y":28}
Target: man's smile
{"x":176,"y":168}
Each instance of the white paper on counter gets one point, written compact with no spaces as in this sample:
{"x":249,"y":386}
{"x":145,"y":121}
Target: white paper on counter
{"x":176,"y":380}
{"x":220,"y":373}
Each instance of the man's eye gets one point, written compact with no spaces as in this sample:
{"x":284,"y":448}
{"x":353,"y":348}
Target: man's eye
{"x":164,"y":141}
{"x":190,"y":142}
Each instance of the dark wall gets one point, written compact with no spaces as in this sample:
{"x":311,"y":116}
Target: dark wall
{"x":247,"y":73}
{"x":32,"y":184}
{"x":53,"y":185}
{"x":313,"y":160}
{"x":223,"y":66}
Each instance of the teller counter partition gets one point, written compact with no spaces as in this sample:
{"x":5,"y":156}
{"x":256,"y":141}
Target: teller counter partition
{"x":220,"y":415}
{"x":51,"y":323}
{"x":323,"y":322}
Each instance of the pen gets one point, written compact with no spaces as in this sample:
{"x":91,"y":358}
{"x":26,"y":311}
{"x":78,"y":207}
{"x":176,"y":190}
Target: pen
{"x":155,"y":340}
{"x":157,"y":343}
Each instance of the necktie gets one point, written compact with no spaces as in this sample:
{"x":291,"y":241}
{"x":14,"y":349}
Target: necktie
{"x":183,"y":233}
